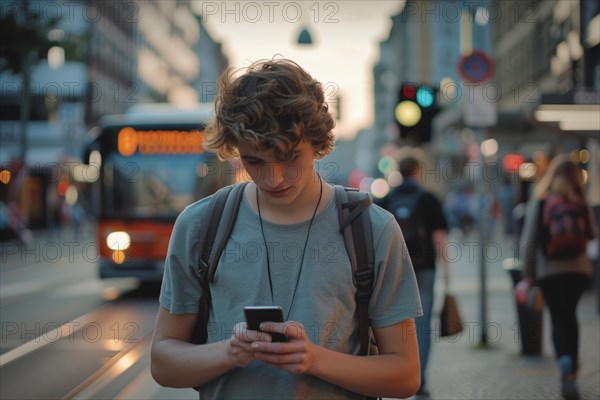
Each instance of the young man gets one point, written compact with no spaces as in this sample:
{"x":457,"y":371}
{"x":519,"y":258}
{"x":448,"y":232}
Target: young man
{"x":285,"y":250}
{"x":424,"y":226}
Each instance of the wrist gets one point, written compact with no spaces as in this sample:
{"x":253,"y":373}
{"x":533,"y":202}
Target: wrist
{"x":226,"y":359}
{"x":315,"y":368}
{"x":324,"y":362}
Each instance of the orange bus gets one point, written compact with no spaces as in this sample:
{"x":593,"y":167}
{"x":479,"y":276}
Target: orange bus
{"x":151,"y":164}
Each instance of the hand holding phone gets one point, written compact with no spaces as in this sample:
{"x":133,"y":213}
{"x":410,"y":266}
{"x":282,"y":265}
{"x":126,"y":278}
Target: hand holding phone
{"x":255,"y":315}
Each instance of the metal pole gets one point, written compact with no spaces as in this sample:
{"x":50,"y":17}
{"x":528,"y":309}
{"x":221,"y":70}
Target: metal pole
{"x":482,"y":241}
{"x":25,"y":105}
{"x":26,"y":58}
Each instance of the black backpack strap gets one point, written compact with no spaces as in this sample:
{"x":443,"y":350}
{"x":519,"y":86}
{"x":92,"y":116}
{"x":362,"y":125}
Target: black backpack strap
{"x":355,"y":225}
{"x":215,"y":229}
{"x":224,"y":226}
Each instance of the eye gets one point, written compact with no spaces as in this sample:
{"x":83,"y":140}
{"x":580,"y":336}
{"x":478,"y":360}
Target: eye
{"x":254,"y":161}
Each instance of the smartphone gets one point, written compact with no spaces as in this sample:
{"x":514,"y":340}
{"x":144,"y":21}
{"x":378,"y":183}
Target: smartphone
{"x":255,"y":315}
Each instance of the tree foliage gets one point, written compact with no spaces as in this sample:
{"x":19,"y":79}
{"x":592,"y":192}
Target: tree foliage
{"x":21,"y":37}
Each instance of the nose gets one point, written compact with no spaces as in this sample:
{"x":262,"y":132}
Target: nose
{"x":275,"y":175}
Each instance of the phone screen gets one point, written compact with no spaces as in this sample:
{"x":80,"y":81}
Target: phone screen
{"x":255,"y":315}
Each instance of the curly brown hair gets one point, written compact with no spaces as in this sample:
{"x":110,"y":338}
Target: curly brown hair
{"x":273,"y":106}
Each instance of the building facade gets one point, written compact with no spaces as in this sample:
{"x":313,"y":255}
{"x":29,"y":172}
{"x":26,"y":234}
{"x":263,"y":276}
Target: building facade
{"x":542,"y":52}
{"x":103,"y":58}
{"x":547,"y":58}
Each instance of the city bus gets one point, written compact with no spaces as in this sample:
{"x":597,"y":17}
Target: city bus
{"x":150,"y":164}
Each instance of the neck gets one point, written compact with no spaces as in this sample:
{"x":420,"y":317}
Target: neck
{"x":299,"y":210}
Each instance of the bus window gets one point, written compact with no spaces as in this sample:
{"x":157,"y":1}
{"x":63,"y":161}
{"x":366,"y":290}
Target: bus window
{"x":155,"y":185}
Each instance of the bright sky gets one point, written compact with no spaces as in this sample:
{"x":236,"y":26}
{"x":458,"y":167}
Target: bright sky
{"x":346,"y":36}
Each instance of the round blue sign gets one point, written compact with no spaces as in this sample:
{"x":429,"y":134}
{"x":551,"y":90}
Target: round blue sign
{"x":476,"y":67}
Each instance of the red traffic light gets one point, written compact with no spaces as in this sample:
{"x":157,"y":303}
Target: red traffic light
{"x":512,"y":161}
{"x":409,"y":92}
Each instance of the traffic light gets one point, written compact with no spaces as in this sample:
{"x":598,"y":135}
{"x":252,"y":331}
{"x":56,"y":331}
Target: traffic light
{"x":416,"y":107}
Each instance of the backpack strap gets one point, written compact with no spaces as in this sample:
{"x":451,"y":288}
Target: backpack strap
{"x":355,"y":225}
{"x":224,"y":226}
{"x":217,"y":225}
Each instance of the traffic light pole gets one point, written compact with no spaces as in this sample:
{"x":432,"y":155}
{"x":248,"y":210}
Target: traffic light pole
{"x":483,"y":239}
{"x":477,"y":67}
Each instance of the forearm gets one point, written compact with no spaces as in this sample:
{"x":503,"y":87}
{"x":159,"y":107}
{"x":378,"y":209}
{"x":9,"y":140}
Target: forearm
{"x":387,"y":375}
{"x":179,"y":364}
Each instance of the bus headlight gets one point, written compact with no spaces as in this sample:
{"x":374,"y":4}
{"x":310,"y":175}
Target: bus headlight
{"x":118,"y":256}
{"x":118,"y":240}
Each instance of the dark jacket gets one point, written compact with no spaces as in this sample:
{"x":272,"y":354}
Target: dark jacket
{"x":431,"y":218}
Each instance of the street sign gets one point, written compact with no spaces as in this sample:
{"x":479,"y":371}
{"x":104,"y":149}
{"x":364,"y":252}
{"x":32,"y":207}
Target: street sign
{"x":476,"y":67}
{"x":479,"y":111}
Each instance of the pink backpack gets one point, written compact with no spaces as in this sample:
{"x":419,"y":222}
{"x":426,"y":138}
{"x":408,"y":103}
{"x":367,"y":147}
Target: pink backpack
{"x":564,"y":227}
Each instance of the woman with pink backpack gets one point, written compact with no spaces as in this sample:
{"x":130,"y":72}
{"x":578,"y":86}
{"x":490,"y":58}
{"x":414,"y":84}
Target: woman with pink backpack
{"x":558,"y":225}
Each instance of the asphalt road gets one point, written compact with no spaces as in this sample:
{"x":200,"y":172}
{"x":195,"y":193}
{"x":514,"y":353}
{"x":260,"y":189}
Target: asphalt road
{"x":68,"y":334}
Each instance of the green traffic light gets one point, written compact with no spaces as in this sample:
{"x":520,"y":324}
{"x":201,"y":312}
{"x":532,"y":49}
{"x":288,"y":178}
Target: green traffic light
{"x":425,"y":97}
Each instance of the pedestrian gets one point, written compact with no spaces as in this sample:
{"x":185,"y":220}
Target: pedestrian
{"x":56,"y":216}
{"x":286,"y":250}
{"x":506,"y":200}
{"x":555,"y":258}
{"x":459,"y":208}
{"x":77,"y":218}
{"x":424,"y":227}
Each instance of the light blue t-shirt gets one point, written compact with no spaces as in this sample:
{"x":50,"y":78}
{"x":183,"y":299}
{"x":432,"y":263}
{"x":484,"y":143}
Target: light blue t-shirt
{"x":323,"y":302}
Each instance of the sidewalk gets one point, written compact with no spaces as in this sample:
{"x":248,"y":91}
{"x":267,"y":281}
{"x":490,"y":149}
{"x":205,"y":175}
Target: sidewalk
{"x":460,"y":368}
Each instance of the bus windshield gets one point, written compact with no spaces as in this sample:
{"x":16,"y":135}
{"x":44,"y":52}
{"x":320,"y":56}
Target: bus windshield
{"x":155,"y":186}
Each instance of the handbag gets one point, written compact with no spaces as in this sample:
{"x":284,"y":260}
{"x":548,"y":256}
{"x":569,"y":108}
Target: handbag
{"x":450,"y":320}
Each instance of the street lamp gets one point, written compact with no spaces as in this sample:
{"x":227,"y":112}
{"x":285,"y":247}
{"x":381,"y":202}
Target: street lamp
{"x":304,"y":37}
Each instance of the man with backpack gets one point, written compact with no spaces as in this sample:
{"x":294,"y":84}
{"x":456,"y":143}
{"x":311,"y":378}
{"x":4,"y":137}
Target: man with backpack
{"x":424,"y":228}
{"x":284,"y":243}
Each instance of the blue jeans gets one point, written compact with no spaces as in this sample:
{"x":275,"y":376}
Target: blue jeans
{"x":426,"y":281}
